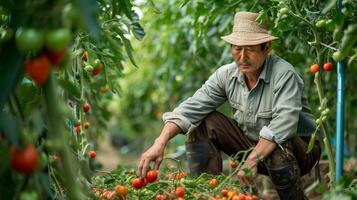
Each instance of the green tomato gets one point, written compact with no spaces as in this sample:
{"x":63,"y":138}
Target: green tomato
{"x":88,"y":68}
{"x":96,"y":62}
{"x":284,"y":11}
{"x":58,"y":39}
{"x":28,"y":39}
{"x":320,"y":23}
{"x":337,"y":56}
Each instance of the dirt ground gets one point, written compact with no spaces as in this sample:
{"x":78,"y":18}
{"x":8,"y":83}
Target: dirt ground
{"x":110,"y":157}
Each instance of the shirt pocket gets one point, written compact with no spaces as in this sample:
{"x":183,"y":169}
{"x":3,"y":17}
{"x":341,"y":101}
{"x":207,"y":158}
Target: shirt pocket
{"x":263,"y":119}
{"x":238,"y":112}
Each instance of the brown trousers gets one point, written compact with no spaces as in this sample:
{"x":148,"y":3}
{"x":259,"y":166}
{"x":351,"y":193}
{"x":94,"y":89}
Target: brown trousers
{"x":218,"y":133}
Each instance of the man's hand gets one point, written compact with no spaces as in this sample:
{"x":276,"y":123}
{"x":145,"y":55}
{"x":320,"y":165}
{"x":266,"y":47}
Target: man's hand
{"x":248,"y":172}
{"x":154,"y":153}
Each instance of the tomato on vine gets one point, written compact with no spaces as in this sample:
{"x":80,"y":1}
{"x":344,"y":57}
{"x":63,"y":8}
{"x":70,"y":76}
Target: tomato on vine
{"x":92,"y":154}
{"x":314,"y":68}
{"x":56,"y":57}
{"x":328,"y":66}
{"x":86,"y":125}
{"x":85,"y":56}
{"x":180,"y":191}
{"x":213,"y":182}
{"x":151,"y":176}
{"x":86,"y":107}
{"x":29,"y":39}
{"x":97,"y":70}
{"x":58,"y":39}
{"x":137,"y":183}
{"x":233,"y":165}
{"x":38,"y":69}
{"x":121,"y":190}
{"x":24,"y":160}
{"x":77,"y":129}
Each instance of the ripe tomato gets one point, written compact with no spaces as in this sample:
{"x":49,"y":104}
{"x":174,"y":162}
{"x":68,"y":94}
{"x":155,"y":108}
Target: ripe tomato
{"x":85,"y":56}
{"x":92,"y":154}
{"x":121,"y":190}
{"x":225,"y":192}
{"x":180,"y":191}
{"x":233,"y":165}
{"x":29,"y":39}
{"x":77,"y":129}
{"x":254,"y":197}
{"x":161,"y":197}
{"x":86,"y":107}
{"x":180,"y":175}
{"x":78,"y":123}
{"x":24,"y":160}
{"x":58,"y":39}
{"x":137,"y":183}
{"x":86,"y":125}
{"x":56,"y":57}
{"x":97,"y":70}
{"x":327,"y":66}
{"x":213,"y":182}
{"x":314,"y":68}
{"x":38,"y":69}
{"x":151,"y":176}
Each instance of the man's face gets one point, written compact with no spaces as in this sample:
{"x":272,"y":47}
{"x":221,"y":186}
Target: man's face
{"x":250,"y":58}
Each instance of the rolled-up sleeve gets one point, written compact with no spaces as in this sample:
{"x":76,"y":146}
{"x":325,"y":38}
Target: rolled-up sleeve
{"x":189,"y":113}
{"x":286,"y":108}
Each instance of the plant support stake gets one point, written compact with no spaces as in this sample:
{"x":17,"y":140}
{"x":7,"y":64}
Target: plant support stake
{"x":340,"y":113}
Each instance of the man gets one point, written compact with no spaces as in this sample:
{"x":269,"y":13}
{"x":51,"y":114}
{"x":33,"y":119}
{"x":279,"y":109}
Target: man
{"x":271,"y":115}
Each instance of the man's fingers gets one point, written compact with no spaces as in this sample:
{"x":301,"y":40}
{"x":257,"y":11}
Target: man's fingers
{"x":145,"y":167}
{"x":140,"y":166}
{"x":157,"y":163}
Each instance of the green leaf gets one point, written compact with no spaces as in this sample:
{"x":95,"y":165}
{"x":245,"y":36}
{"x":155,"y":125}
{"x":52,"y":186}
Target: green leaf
{"x":70,"y":87}
{"x":311,"y":143}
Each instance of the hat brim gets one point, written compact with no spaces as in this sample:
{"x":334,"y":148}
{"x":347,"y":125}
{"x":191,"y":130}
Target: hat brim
{"x":245,"y":39}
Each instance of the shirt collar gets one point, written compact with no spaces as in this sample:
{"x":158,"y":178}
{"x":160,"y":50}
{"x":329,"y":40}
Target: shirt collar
{"x":264,"y":75}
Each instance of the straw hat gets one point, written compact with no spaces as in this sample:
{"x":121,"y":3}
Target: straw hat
{"x":247,"y":31}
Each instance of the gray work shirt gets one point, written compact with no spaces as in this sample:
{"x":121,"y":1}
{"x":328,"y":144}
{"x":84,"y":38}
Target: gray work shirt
{"x":276,"y":108}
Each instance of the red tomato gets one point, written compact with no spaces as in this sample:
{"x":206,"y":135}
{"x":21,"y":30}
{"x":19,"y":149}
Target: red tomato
{"x":180,"y":191}
{"x":180,"y":175}
{"x":233,"y":165}
{"x":137,"y":183}
{"x":77,"y":129}
{"x":225,"y":192}
{"x":86,"y":125}
{"x":213,"y":182}
{"x":314,"y":68}
{"x":92,"y":154}
{"x":254,"y":197}
{"x":38,"y":69}
{"x":327,"y":66}
{"x":86,"y":107}
{"x":161,"y":197}
{"x":24,"y":160}
{"x":78,"y":123}
{"x":121,"y":190}
{"x":151,"y":176}
{"x":97,"y":69}
{"x":56,"y":57}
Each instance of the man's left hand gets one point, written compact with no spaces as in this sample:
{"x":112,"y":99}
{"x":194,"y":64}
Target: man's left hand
{"x":248,"y":172}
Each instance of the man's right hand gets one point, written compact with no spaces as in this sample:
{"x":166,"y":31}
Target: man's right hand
{"x":154,"y":153}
